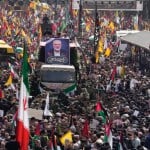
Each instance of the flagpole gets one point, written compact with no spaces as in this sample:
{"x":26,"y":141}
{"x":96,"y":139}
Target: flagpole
{"x":97,"y":30}
{"x":80,"y":19}
{"x":55,"y":16}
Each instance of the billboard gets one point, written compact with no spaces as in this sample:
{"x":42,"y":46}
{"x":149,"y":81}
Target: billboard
{"x":126,"y":5}
{"x":57,"y":51}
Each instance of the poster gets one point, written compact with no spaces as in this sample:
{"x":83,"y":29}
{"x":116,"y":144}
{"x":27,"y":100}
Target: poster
{"x":57,"y":51}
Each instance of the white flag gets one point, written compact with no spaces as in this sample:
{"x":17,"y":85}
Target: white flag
{"x":46,"y":110}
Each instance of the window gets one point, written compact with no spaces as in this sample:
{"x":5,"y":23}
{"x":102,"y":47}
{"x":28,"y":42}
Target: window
{"x":57,"y":76}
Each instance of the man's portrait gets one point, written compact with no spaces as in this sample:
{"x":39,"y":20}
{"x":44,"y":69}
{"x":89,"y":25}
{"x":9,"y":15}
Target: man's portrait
{"x":56,"y":50}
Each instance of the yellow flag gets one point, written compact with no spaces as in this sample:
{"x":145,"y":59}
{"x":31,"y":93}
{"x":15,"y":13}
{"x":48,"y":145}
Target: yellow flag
{"x":88,"y":26}
{"x":111,"y":25}
{"x":9,"y":81}
{"x":23,"y":33}
{"x":9,"y":31}
{"x":66,"y":138}
{"x":97,"y":57}
{"x":40,"y":32}
{"x":100,"y":46}
{"x":28,"y":40}
{"x":32,"y":5}
{"x":107,"y":52}
{"x":75,"y":12}
{"x":26,"y":36}
{"x":122,"y":73}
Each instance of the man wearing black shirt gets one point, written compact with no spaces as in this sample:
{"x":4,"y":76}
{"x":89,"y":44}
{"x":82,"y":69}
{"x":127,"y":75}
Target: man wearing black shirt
{"x":12,"y":144}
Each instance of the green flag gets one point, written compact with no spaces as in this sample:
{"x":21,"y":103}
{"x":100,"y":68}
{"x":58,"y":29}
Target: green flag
{"x":63,"y":26}
{"x":71,"y":88}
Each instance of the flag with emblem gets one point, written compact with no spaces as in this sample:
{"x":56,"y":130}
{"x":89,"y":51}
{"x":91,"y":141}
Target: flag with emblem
{"x":22,"y":128}
{"x":67,"y":137}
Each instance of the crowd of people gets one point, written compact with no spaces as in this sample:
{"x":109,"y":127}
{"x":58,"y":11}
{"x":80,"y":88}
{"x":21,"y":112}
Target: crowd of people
{"x":114,"y":83}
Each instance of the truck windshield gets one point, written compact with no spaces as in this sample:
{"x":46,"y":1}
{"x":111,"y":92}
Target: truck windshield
{"x":55,"y":76}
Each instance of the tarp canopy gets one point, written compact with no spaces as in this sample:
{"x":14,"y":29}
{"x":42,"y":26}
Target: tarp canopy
{"x":141,"y":39}
{"x":4,"y":45}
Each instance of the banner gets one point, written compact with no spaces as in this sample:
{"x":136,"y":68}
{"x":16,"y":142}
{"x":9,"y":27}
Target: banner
{"x":57,"y":51}
{"x":75,"y":4}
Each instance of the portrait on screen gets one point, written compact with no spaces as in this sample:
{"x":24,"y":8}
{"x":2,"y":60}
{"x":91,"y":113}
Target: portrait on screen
{"x":57,"y":51}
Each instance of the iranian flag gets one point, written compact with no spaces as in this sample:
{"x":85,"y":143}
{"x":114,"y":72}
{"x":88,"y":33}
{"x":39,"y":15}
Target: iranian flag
{"x":22,"y":128}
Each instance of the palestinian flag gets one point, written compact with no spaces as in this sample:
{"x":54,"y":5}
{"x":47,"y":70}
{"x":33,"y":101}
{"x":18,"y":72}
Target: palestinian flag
{"x":22,"y":129}
{"x":101,"y":111}
{"x":108,"y":135}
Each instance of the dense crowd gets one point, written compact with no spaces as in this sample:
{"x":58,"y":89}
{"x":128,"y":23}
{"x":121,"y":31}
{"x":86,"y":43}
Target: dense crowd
{"x":115,"y":82}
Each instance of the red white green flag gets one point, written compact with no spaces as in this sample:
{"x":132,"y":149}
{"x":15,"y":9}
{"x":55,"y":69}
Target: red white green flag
{"x":22,"y":129}
{"x":108,"y":135}
{"x":101,"y":112}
